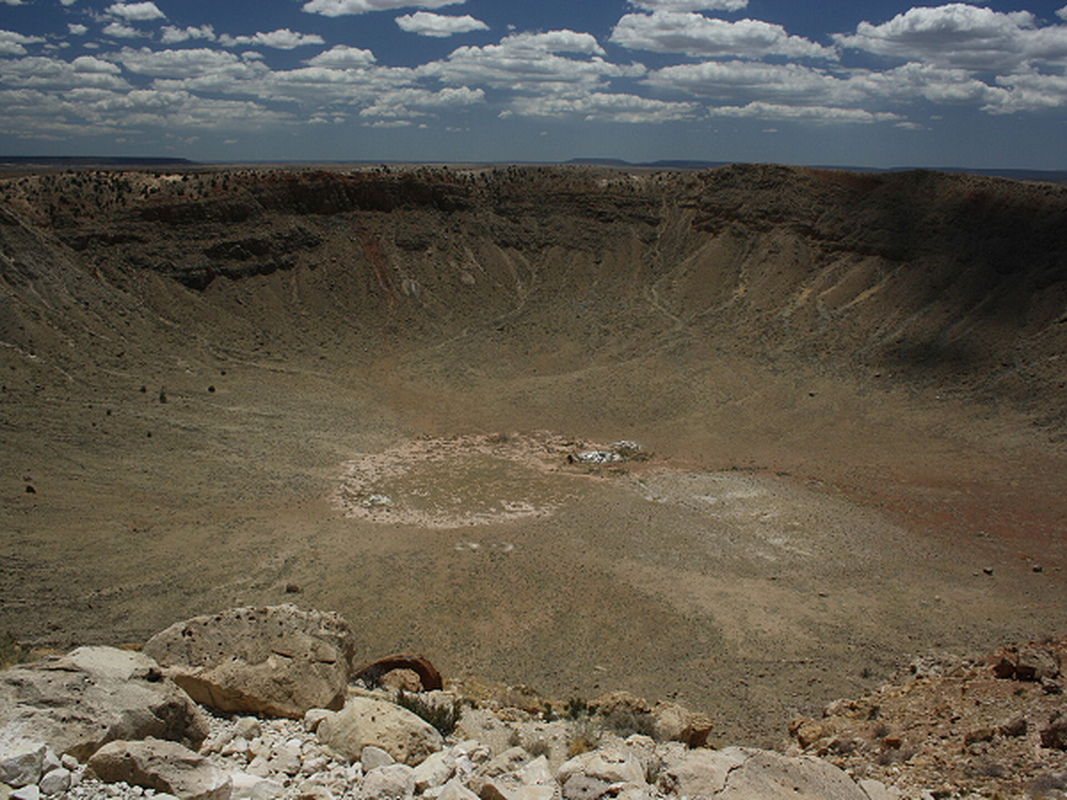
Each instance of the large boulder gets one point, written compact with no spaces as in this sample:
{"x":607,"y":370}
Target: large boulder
{"x":279,"y":661}
{"x":741,"y":773}
{"x":78,"y":702}
{"x":364,"y":721}
{"x":162,"y":766}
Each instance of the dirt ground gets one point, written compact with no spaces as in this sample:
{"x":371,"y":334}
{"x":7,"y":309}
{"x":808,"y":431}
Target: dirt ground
{"x":786,"y":534}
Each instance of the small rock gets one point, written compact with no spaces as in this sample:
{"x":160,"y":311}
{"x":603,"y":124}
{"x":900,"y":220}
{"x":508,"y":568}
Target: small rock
{"x":582,"y":787}
{"x":1035,"y":664}
{"x":395,"y":782}
{"x":1016,"y":726}
{"x":22,"y":764}
{"x":248,"y":728}
{"x":314,"y":716}
{"x":403,"y":680}
{"x":1055,"y":735}
{"x":979,"y":735}
{"x":373,"y":757}
{"x":987,"y":570}
{"x":455,"y":790}
{"x":31,"y":792}
{"x":56,"y":781}
{"x":253,"y":787}
{"x":434,"y":771}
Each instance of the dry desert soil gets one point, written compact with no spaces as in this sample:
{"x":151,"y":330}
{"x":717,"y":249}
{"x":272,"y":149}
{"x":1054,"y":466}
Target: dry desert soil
{"x":838,"y":403}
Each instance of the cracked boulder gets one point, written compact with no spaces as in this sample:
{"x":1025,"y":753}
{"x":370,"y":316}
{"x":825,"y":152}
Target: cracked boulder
{"x":277,"y":661}
{"x":77,"y":702}
{"x":741,"y":773}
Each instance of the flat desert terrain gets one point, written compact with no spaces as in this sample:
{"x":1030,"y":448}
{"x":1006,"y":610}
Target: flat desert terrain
{"x":833,"y":403}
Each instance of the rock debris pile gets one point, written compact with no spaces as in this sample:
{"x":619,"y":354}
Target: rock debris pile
{"x":263,"y":703}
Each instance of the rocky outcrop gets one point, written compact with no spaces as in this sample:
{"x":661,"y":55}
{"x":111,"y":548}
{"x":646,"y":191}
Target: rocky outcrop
{"x":78,"y":702}
{"x":279,"y":660}
{"x":163,"y":766}
{"x":364,"y":721}
{"x":739,"y":773}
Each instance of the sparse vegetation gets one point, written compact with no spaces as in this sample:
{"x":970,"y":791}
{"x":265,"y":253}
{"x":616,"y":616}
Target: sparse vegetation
{"x":442,"y":716}
{"x":12,"y":653}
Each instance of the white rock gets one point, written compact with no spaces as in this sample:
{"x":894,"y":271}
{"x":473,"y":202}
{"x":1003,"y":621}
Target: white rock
{"x":363,"y":721}
{"x":286,"y":758}
{"x":56,"y":781}
{"x":92,"y":695}
{"x":30,"y":792}
{"x":876,"y":790}
{"x":314,"y":716}
{"x":613,"y":765}
{"x":248,"y":728}
{"x":253,"y":787}
{"x":163,"y":766}
{"x":455,"y":790}
{"x":741,"y":773}
{"x":395,"y":782}
{"x":536,"y":772}
{"x":374,"y":757}
{"x":22,"y":763}
{"x":313,"y":790}
{"x":69,"y":762}
{"x":434,"y":771}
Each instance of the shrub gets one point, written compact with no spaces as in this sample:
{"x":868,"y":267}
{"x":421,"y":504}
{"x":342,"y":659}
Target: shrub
{"x":443,"y":716}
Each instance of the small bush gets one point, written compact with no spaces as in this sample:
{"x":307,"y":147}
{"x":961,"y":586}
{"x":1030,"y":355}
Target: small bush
{"x":443,"y":716}
{"x":11,"y":652}
{"x":586,"y":737}
{"x":624,"y":723}
{"x":576,"y":708}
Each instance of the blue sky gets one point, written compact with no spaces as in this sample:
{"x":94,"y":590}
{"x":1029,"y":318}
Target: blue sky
{"x":823,"y":82}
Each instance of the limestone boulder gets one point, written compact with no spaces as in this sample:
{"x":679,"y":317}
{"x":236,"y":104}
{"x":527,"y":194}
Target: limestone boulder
{"x":161,"y":766}
{"x":364,"y":721}
{"x":739,"y":773}
{"x":78,"y":702}
{"x":278,"y":661}
{"x":608,"y":764}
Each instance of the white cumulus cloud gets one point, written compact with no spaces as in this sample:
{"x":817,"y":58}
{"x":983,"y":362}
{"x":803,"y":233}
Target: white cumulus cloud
{"x":531,"y":64}
{"x":281,"y":39}
{"x":340,"y":8}
{"x":76,"y":29}
{"x":414,"y":102}
{"x":11,"y":43}
{"x":697,"y":35}
{"x":136,"y":11}
{"x":425,"y":23}
{"x":791,"y":113}
{"x":690,"y":5}
{"x":341,"y":56}
{"x":961,"y":35}
{"x":173,"y":35}
{"x":755,"y":80}
{"x":119,"y":30}
{"x":603,"y":107}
